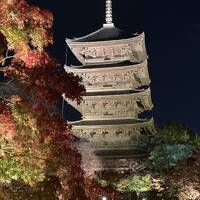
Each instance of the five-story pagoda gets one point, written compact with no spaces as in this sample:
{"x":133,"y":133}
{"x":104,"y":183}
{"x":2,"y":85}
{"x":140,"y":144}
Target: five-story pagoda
{"x":114,"y":71}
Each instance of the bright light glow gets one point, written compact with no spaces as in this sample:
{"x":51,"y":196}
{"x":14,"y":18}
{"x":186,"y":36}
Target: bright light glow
{"x":104,"y":198}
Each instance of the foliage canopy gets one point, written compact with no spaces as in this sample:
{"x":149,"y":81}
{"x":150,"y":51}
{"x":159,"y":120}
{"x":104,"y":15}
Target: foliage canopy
{"x":35,"y":140}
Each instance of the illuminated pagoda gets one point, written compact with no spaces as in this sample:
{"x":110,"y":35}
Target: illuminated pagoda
{"x":114,"y":71}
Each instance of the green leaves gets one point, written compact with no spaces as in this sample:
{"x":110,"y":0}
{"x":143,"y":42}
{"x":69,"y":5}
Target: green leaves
{"x":103,"y":183}
{"x":39,"y":38}
{"x":25,"y":121}
{"x":172,"y":143}
{"x":167,"y":155}
{"x":136,"y":184}
{"x":14,"y":36}
{"x":175,"y":134}
{"x":11,"y":169}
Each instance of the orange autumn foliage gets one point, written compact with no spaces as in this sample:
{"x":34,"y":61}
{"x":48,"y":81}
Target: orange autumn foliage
{"x":28,"y":120}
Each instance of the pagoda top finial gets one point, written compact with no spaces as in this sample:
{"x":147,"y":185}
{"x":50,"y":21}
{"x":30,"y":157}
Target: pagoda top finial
{"x":109,"y":17}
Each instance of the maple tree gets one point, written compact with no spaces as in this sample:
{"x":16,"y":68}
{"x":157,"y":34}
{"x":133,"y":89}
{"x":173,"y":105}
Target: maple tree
{"x":36,"y":153}
{"x":35,"y":142}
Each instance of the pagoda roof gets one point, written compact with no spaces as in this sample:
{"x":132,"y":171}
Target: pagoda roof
{"x":109,"y":122}
{"x":122,"y":152}
{"x":104,"y":34}
{"x":109,"y":65}
{"x":123,"y":64}
{"x":118,"y":92}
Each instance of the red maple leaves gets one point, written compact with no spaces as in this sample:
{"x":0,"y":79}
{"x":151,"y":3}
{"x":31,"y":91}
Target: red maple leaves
{"x":7,"y":125}
{"x":30,"y":119}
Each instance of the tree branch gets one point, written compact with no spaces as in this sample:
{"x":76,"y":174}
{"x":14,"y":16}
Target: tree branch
{"x":4,"y":59}
{"x":7,"y":83}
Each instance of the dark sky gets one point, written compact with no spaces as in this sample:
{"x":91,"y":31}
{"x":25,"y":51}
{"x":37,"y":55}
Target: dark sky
{"x":172,"y":29}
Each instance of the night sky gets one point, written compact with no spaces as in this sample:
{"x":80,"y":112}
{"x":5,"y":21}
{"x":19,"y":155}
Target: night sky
{"x":172,"y":29}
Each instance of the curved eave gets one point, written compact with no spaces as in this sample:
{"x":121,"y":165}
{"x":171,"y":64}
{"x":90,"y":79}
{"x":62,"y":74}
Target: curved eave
{"x":131,"y":49}
{"x":75,"y":42}
{"x":133,"y":93}
{"x":122,"y":153}
{"x":104,"y":33}
{"x":98,"y":69}
{"x":111,"y":123}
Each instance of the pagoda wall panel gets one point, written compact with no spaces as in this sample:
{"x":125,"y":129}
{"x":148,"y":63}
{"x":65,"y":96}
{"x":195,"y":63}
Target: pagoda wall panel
{"x":114,"y":106}
{"x":115,"y":136}
{"x":117,"y":78}
{"x":132,"y":49}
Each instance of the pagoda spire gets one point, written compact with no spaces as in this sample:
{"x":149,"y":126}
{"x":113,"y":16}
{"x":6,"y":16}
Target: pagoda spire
{"x":109,"y":17}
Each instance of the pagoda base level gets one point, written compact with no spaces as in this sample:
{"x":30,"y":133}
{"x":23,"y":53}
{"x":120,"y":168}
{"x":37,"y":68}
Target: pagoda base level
{"x":121,"y":159}
{"x":113,"y":159}
{"x":116,"y":164}
{"x":121,"y":153}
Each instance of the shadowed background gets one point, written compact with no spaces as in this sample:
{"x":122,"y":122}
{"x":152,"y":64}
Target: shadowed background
{"x":172,"y":31}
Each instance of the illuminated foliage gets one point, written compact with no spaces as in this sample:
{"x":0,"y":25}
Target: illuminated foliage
{"x":11,"y":169}
{"x":176,"y":134}
{"x":136,"y":184}
{"x":14,"y":36}
{"x":36,"y":149}
{"x":166,"y":156}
